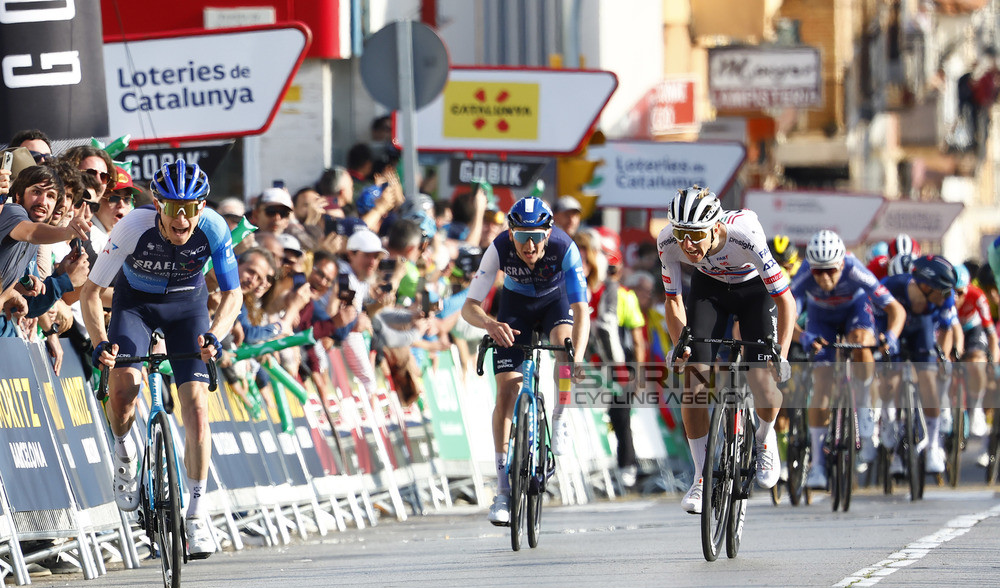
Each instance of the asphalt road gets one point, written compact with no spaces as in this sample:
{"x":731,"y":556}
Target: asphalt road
{"x":952,"y":537}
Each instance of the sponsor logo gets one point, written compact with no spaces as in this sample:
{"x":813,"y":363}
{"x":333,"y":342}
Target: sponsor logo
{"x":193,"y":252}
{"x":772,"y":279}
{"x":666,"y":279}
{"x":150,"y":246}
{"x":747,"y":246}
{"x":505,"y":363}
{"x":200,"y":375}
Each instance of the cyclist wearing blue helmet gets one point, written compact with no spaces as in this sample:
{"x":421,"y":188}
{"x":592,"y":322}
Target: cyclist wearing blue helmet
{"x":154,"y":257}
{"x":927,"y":295}
{"x":543,"y":289}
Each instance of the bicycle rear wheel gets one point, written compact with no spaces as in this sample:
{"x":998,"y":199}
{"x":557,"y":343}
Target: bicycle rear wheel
{"x":847,"y":456}
{"x":911,"y":454}
{"x":833,"y":461}
{"x":798,"y":455}
{"x":168,"y":518}
{"x":994,"y":449}
{"x":536,"y":485}
{"x":743,"y":468}
{"x":519,"y":474}
{"x":717,"y":482}
{"x":953,"y":443}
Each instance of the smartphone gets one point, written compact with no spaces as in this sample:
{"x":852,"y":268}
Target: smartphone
{"x":386,"y":287}
{"x":387,"y":265}
{"x":344,"y":291}
{"x":76,"y":245}
{"x":278,"y":184}
{"x":8,"y":160}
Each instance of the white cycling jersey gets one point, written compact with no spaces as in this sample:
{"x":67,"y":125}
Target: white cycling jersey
{"x":743,"y":257}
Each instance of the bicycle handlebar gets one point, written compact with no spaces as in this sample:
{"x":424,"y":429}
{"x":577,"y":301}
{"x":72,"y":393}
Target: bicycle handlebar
{"x":769,"y":344}
{"x":154,"y":360}
{"x":488,"y":342}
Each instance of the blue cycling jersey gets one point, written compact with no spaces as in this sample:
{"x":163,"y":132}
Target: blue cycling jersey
{"x":898,"y":285}
{"x":855,"y":282}
{"x":152,"y":264}
{"x":561,"y":266}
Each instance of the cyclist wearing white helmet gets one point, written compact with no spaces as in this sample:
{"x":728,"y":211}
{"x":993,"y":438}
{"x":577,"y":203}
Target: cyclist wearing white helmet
{"x":736,"y":277}
{"x":544,"y":290}
{"x":839,"y":291}
{"x":154,"y":257}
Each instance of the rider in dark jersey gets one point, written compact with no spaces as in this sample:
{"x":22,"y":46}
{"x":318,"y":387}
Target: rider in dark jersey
{"x":154,"y":257}
{"x":544,"y":289}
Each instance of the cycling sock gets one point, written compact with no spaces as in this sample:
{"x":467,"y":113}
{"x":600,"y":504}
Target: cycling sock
{"x":196,"y":508}
{"x":889,"y":414}
{"x":125,"y":447}
{"x":503,"y":482}
{"x":698,"y":448}
{"x":763,"y":428}
{"x":934,"y":431}
{"x":818,"y":435}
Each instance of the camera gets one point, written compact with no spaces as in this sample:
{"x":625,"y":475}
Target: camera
{"x":387,"y":265}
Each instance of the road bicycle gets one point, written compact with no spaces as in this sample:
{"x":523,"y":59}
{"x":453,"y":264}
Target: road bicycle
{"x":161,"y":494}
{"x":911,"y":440}
{"x":956,"y":438}
{"x":731,"y":456}
{"x":530,"y":461}
{"x":842,"y":438}
{"x":798,"y":454}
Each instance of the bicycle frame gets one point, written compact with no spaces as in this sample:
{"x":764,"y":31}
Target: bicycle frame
{"x":156,"y":406}
{"x":529,"y":393}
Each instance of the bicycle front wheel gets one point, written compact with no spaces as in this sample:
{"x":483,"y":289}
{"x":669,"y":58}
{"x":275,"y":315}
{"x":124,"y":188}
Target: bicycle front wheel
{"x":717,"y":482}
{"x":953,"y":443}
{"x":744,"y":471}
{"x":519,"y":474}
{"x":798,"y":455}
{"x":536,"y":484}
{"x":167,"y":502}
{"x":994,"y":450}
{"x":847,"y":456}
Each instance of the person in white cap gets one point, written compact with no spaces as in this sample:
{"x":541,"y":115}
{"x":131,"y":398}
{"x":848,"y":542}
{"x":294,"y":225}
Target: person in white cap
{"x":273,"y":211}
{"x":567,"y":215}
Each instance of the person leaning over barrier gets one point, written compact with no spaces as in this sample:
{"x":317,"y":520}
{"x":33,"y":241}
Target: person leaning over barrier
{"x":155,"y":257}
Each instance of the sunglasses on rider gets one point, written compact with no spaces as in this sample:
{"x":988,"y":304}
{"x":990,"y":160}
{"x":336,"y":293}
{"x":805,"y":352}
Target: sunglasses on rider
{"x":824,"y":271}
{"x":695,"y":235}
{"x":535,"y":237}
{"x":174,"y":208}
{"x":103,"y":176}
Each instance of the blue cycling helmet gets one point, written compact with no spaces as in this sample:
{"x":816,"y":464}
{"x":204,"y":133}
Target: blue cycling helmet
{"x":530,"y":213}
{"x":962,"y":277}
{"x":877,"y":250}
{"x":935,"y":271}
{"x":180,"y":180}
{"x":365,"y":201}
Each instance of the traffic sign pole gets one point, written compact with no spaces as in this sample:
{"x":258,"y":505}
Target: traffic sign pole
{"x":407,"y":105}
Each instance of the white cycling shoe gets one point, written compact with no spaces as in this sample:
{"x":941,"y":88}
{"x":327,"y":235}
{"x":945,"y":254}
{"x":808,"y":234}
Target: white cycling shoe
{"x":126,"y":483}
{"x":768,"y":461}
{"x":692,"y":500}
{"x":200,"y":542}
{"x":934,"y":460}
{"x":561,"y":442}
{"x":977,"y":424}
{"x":500,"y":511}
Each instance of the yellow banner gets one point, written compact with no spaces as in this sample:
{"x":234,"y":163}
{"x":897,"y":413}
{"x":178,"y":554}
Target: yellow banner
{"x":491,"y":110}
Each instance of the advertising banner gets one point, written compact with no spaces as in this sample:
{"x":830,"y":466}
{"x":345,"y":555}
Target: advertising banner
{"x":799,"y":214}
{"x":77,"y":426}
{"x":668,"y":107}
{"x":753,"y":77}
{"x":53,"y":70}
{"x":924,"y":221}
{"x":446,"y":410}
{"x":211,"y":84}
{"x":641,"y":174}
{"x":145,"y":162}
{"x":514,"y":110}
{"x":29,"y":460}
{"x":513,"y":173}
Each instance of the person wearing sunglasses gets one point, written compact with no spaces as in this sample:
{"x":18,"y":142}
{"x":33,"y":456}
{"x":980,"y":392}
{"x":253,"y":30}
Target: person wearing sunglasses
{"x":735,"y":277}
{"x":114,"y":205}
{"x":154,"y":257}
{"x":544,"y":289}
{"x":273,"y":211}
{"x":926,"y":292}
{"x":839,"y":292}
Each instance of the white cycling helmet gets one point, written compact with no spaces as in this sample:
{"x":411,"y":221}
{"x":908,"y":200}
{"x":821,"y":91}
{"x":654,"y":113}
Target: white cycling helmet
{"x":694,"y":208}
{"x":901,"y":264}
{"x":825,"y":250}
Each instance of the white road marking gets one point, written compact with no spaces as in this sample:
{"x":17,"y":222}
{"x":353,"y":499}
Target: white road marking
{"x":896,"y":561}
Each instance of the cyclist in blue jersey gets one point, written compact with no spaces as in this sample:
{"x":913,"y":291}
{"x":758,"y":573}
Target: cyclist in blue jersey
{"x":544,"y":289}
{"x":154,"y":258}
{"x":928,"y":298}
{"x":839,"y":292}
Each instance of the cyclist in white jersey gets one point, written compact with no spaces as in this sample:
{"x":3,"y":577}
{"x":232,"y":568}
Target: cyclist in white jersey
{"x":736,"y":277}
